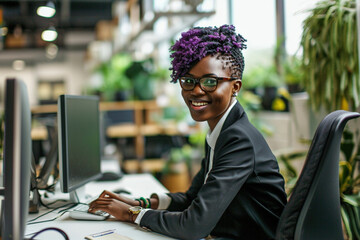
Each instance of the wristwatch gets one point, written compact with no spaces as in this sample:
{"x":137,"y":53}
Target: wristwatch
{"x":134,"y":210}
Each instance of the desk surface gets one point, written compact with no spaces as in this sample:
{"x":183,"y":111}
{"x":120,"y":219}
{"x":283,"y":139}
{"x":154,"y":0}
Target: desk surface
{"x":137,"y":184}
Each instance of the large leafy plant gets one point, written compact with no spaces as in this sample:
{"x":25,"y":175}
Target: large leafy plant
{"x":330,"y":55}
{"x":331,"y":78}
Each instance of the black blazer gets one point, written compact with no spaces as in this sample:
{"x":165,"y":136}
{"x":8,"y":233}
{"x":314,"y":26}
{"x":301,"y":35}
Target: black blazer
{"x":242,"y":198}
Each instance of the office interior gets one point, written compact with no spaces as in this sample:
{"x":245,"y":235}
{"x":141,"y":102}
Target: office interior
{"x":118,"y":50}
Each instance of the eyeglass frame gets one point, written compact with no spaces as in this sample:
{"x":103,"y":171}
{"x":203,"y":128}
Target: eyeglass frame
{"x":197,"y":81}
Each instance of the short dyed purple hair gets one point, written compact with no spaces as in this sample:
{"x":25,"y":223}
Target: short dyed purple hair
{"x":199,"y":42}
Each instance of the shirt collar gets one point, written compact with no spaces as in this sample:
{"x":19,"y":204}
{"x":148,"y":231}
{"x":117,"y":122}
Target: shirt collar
{"x":212,"y":136}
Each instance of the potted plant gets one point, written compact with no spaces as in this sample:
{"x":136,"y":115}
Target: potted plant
{"x":266,"y":80}
{"x":271,"y":82}
{"x":293,"y":74}
{"x":116,"y":84}
{"x":331,"y":79}
{"x":330,"y":55}
{"x":175,"y":175}
{"x":183,"y":162}
{"x":251,"y":80}
{"x":140,"y":74}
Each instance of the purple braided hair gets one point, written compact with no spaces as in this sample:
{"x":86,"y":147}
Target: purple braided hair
{"x":199,"y":42}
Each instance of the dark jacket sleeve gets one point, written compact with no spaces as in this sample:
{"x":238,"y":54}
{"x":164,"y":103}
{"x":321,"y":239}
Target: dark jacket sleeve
{"x":233,"y":163}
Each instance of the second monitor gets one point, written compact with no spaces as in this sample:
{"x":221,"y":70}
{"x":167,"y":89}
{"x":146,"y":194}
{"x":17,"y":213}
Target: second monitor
{"x":79,"y":144}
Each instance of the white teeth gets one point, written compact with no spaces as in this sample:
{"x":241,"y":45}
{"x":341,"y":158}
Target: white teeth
{"x":199,"y":103}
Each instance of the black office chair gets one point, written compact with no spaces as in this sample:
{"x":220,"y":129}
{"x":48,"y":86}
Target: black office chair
{"x":313,"y":210}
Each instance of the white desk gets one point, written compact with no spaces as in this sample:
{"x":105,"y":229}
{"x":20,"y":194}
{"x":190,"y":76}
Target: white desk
{"x":137,"y":184}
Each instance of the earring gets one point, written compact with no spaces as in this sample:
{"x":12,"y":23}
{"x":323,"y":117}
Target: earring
{"x":234,"y":94}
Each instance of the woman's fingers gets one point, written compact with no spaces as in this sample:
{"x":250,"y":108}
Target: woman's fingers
{"x":100,"y":201}
{"x":108,"y":194}
{"x":98,"y":207}
{"x":104,"y":195}
{"x":114,"y":207}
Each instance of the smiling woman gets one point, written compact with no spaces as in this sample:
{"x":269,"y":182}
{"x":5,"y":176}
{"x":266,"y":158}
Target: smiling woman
{"x":238,"y":192}
{"x":211,"y":105}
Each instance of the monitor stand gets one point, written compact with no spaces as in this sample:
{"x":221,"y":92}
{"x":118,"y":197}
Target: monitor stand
{"x":79,"y":196}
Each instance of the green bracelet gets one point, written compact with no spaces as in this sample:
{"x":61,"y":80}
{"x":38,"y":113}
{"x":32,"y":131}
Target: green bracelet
{"x":138,"y":201}
{"x":146,"y":204}
{"x":149,"y":202}
{"x":143,"y":202}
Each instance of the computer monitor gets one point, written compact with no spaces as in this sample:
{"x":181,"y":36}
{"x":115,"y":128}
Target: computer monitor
{"x":17,"y":160}
{"x":79,"y":144}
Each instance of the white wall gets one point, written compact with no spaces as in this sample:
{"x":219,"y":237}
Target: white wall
{"x":71,"y":70}
{"x":27,"y":75}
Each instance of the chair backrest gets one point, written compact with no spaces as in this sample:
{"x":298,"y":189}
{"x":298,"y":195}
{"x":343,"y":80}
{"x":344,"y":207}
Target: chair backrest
{"x":313,"y":210}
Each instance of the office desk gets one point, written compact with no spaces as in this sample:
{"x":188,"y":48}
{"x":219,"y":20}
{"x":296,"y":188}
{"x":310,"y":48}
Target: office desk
{"x":137,"y":184}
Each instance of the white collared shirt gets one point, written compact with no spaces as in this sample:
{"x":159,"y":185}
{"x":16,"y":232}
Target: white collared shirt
{"x":211,"y":138}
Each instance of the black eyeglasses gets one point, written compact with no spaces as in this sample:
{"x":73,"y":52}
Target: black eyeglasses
{"x":207,"y":84}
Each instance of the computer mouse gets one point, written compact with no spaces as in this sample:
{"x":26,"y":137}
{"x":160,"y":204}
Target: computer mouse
{"x":110,"y":176}
{"x":121,"y":190}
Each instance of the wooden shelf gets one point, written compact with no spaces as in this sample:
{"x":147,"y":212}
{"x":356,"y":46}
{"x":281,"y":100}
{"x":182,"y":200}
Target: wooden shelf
{"x":39,"y":133}
{"x":122,"y":130}
{"x":147,"y":165}
{"x":44,"y":109}
{"x":143,"y":125}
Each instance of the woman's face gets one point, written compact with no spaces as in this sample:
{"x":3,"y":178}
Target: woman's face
{"x":210,"y":106}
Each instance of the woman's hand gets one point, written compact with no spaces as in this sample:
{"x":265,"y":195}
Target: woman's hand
{"x":121,"y":198}
{"x":112,"y":204}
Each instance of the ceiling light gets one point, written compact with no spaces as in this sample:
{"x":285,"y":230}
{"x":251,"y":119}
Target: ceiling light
{"x":49,"y":34}
{"x":51,"y":51}
{"x":46,"y":11}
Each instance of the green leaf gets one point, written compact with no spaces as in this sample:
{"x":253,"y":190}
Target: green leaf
{"x":353,"y":200}
{"x":351,"y":206}
{"x":346,"y":221}
{"x":343,"y":81}
{"x":349,"y":32}
{"x":355,"y":91}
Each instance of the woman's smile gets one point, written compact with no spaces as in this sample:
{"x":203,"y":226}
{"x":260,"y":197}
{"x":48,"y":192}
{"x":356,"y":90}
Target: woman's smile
{"x":198,"y":104}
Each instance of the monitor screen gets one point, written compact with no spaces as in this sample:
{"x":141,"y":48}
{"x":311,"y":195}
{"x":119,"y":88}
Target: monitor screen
{"x":79,"y":141}
{"x":17,"y":160}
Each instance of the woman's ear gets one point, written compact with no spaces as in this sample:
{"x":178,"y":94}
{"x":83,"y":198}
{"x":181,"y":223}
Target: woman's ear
{"x":237,"y":85}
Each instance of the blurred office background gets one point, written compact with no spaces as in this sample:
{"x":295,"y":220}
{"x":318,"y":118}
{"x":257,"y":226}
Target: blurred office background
{"x":91,"y":33}
{"x":119,"y":50}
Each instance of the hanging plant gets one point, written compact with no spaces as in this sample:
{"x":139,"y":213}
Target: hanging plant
{"x":330,"y":55}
